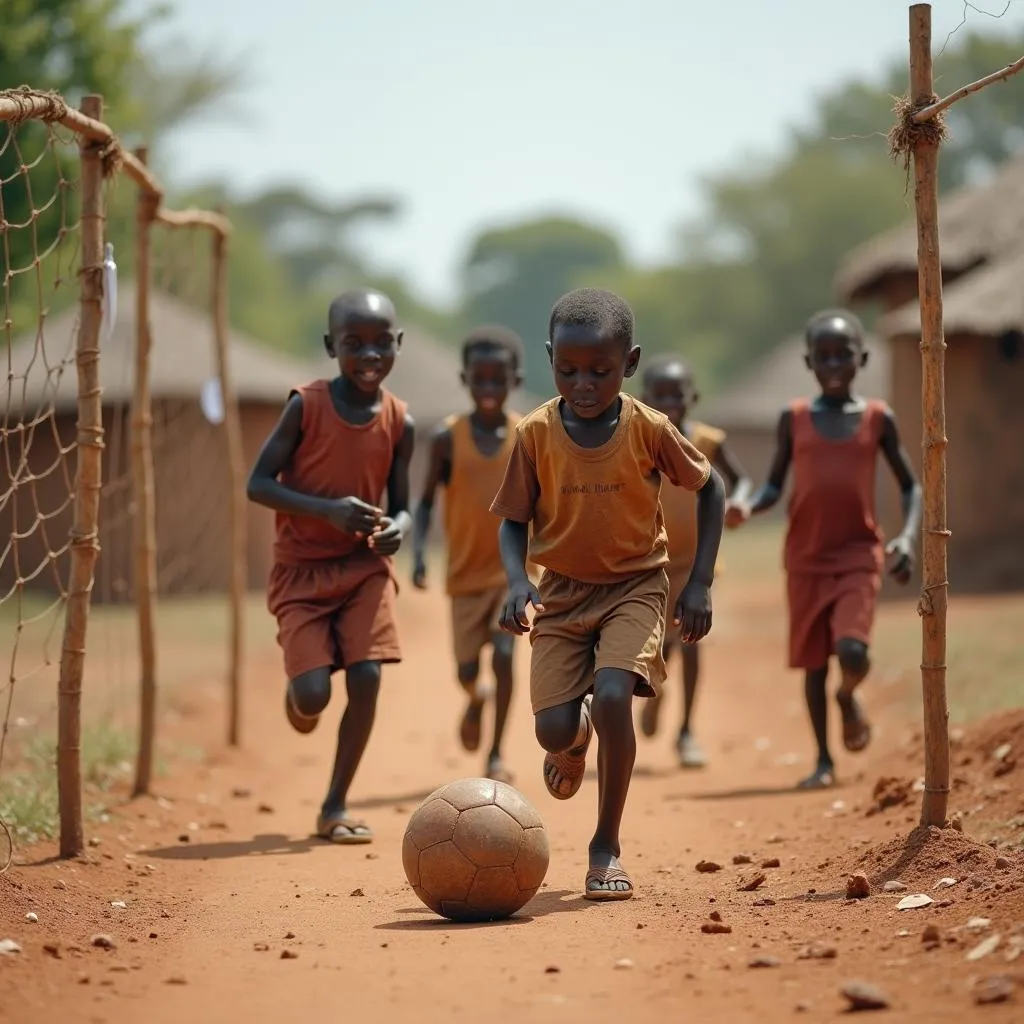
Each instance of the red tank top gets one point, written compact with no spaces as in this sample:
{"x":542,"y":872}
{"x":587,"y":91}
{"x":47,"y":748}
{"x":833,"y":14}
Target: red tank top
{"x":832,"y":524}
{"x":335,"y":459}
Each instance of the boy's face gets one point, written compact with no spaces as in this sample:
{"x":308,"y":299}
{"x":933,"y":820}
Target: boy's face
{"x":365,"y":348}
{"x":589,"y":367}
{"x":834,"y":355}
{"x":490,"y":376}
{"x":671,"y":392}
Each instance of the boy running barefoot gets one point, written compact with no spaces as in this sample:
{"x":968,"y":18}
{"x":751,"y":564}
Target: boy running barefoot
{"x":338,"y":446}
{"x":669,"y":388}
{"x":586,"y":474}
{"x":833,"y":552}
{"x":468,"y":456}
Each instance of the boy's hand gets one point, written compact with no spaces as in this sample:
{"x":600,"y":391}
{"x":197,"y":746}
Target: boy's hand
{"x":900,"y":557}
{"x":351,"y":515}
{"x":386,"y":537}
{"x":513,"y":612}
{"x":693,"y":612}
{"x":419,"y":574}
{"x":736,"y":514}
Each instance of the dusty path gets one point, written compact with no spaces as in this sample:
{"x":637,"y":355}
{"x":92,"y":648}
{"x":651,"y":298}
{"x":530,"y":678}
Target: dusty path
{"x":205,"y":923}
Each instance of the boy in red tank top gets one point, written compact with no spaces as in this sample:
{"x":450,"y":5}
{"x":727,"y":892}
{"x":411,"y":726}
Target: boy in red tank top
{"x":467,"y":457}
{"x":833,"y":549}
{"x":339,"y":445}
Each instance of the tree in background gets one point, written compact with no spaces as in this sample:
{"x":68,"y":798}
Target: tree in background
{"x":514,"y":275}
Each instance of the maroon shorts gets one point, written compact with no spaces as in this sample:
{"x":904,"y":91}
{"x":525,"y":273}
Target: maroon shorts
{"x":824,"y":608}
{"x":335,"y":613}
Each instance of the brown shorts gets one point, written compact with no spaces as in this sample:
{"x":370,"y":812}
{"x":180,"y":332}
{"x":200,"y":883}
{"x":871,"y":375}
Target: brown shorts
{"x":334,"y":613}
{"x":475,"y":621}
{"x":826,"y":608}
{"x":586,"y":627}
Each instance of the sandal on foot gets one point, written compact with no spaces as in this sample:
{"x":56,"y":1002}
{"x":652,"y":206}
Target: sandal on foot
{"x":856,"y":728}
{"x":343,"y":830}
{"x":497,"y":772}
{"x":689,"y":752}
{"x":649,"y":716}
{"x":570,"y":764}
{"x":299,"y":722}
{"x":820,"y":778}
{"x":605,"y":876}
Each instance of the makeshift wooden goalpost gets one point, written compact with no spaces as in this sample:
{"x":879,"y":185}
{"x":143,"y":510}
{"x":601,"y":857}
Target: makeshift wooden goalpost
{"x":916,"y":137}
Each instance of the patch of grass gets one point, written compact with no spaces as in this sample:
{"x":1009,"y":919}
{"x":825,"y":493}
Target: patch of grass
{"x":28,"y":797}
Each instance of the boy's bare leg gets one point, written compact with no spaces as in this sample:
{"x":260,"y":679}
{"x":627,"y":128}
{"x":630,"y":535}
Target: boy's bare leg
{"x":855,"y":664}
{"x":306,"y":697}
{"x":689,"y":750}
{"x":612,"y":711}
{"x":816,"y":694}
{"x":651,"y":708}
{"x":563,"y":729}
{"x":362,"y":682}
{"x":470,"y":725}
{"x":501,"y":664}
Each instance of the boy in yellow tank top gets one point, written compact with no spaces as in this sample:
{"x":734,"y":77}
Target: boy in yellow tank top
{"x":669,"y":387}
{"x":581,"y":497}
{"x":468,"y":455}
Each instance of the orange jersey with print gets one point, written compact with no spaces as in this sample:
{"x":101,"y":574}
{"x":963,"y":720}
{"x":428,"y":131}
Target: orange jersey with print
{"x":832,"y":524}
{"x":474,"y":560}
{"x":335,"y":459}
{"x":596,"y":512}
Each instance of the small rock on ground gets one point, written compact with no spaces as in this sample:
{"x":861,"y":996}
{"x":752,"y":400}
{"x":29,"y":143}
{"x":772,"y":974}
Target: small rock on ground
{"x":997,"y":989}
{"x":708,"y":867}
{"x":771,"y":862}
{"x":764,"y":962}
{"x":715,"y":928}
{"x":102,"y":942}
{"x":862,"y":996}
{"x":858,"y":887}
{"x":894,"y":886}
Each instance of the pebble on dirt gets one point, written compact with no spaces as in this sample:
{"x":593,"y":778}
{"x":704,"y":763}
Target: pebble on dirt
{"x":8,"y":947}
{"x":289,"y":954}
{"x":858,"y":887}
{"x":984,"y":948}
{"x":752,"y":883}
{"x":708,"y":866}
{"x":552,"y":970}
{"x":862,"y":996}
{"x":742,"y":858}
{"x":771,"y":862}
{"x":176,"y":979}
{"x":894,"y":886}
{"x":818,"y":951}
{"x":997,"y":989}
{"x":357,"y":892}
{"x":716,"y":928}
{"x":914,"y":902}
{"x":32,"y":918}
{"x":52,"y":949}
{"x":931,"y":938}
{"x":102,"y":942}
{"x":764,"y":962}
{"x":625,"y":964}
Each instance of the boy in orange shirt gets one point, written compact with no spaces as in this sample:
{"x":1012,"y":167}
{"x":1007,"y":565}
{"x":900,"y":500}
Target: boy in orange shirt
{"x":338,"y":445}
{"x":669,"y":388}
{"x":468,"y":456}
{"x":586,"y":474}
{"x":833,"y":553}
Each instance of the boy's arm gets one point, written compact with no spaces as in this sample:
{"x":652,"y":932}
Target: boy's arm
{"x":393,"y":527}
{"x":901,"y":549}
{"x":733,"y":474}
{"x":264,"y":488}
{"x":438,"y":473}
{"x":768,"y":495}
{"x":515,"y":503}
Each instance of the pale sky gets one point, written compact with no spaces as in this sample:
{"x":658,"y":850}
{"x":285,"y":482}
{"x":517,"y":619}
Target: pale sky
{"x":477,"y":112}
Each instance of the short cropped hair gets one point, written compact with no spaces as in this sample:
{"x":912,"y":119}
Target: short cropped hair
{"x":494,"y":338}
{"x":822,"y":317}
{"x":661,"y":363}
{"x":594,"y":307}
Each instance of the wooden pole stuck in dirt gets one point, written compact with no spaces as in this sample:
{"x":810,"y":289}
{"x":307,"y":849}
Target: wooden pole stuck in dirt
{"x":88,"y":481}
{"x":144,"y":519}
{"x":238,"y":584}
{"x":935,"y":585}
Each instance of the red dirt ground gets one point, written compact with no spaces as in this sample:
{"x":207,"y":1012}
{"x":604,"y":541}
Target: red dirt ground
{"x":219,"y":875}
